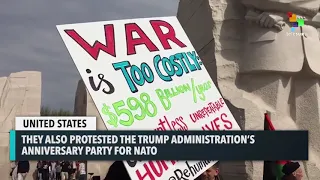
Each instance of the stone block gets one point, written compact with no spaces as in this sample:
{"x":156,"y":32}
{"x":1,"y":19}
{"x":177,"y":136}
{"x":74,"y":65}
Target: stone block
{"x":20,"y":95}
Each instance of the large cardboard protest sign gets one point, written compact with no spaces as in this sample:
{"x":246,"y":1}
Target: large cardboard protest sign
{"x":144,"y":74}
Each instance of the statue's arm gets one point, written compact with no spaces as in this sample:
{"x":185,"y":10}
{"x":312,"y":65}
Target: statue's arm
{"x":301,"y":7}
{"x":261,"y":15}
{"x":256,"y":8}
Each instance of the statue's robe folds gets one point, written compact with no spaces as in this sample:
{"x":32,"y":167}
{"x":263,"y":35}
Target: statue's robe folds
{"x":273,"y":50}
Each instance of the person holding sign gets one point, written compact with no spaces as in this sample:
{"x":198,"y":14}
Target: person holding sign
{"x":117,"y":171}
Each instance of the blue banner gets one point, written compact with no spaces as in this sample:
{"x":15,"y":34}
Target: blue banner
{"x":159,"y":145}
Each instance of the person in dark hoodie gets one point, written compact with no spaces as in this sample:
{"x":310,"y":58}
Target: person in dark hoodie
{"x":23,"y":169}
{"x":117,"y":171}
{"x":45,"y":170}
{"x":292,"y":171}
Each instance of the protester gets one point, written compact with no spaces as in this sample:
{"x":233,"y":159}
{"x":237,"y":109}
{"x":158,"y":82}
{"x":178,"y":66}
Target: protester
{"x":45,"y":170}
{"x":65,"y":170}
{"x":14,"y":169}
{"x":39,"y":170}
{"x":23,"y":169}
{"x":53,"y":165}
{"x":71,"y":171}
{"x":58,"y":171}
{"x":77,"y":173}
{"x":211,"y":173}
{"x":82,"y":171}
{"x":117,"y":171}
{"x":292,"y":171}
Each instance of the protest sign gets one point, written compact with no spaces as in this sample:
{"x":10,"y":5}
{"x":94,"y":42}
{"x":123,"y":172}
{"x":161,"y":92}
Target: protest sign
{"x":144,"y":74}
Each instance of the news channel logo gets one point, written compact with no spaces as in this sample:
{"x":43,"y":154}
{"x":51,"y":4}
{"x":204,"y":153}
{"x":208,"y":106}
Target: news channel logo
{"x":295,"y":20}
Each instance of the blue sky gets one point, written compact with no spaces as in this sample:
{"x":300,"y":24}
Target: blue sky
{"x":29,"y":40}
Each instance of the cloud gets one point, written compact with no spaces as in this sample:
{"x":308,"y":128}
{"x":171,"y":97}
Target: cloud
{"x":29,"y":39}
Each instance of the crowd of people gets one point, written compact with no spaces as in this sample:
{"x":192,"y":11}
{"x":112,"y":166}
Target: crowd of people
{"x":50,"y":170}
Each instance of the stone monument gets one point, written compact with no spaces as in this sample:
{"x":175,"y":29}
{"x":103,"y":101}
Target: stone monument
{"x":259,"y":65}
{"x":20,"y":95}
{"x":84,"y":106}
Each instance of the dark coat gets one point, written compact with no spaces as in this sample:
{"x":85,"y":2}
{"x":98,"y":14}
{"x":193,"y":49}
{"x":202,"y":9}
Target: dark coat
{"x":117,"y":171}
{"x":23,"y":167}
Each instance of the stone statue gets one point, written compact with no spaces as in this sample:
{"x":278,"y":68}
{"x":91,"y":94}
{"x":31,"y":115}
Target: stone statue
{"x":261,"y":66}
{"x":283,"y":68}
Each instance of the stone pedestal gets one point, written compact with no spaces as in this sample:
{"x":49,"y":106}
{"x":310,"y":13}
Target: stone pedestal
{"x":20,"y":95}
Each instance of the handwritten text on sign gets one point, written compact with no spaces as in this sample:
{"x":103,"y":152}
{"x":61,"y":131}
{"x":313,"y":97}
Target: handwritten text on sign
{"x":144,"y":74}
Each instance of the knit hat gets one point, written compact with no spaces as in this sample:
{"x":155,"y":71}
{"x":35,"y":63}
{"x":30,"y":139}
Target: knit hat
{"x":290,"y":167}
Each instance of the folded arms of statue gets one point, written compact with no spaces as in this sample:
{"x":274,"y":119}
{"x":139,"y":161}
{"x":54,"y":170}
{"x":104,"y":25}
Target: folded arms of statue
{"x":266,"y":19}
{"x":272,"y":14}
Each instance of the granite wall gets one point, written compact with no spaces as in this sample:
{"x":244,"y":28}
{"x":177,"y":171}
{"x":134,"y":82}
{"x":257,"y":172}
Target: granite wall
{"x":20,"y":95}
